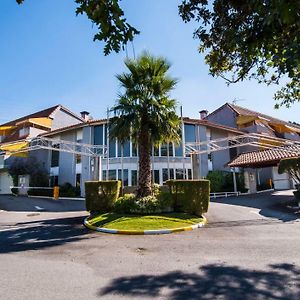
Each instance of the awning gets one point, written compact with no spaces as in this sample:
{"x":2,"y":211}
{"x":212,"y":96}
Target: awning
{"x":265,"y":158}
{"x":15,"y":149}
{"x":44,"y":122}
{"x":246,"y":119}
{"x":5,"y":130}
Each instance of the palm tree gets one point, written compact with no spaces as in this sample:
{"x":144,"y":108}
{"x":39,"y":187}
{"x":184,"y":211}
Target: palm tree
{"x":145,"y":112}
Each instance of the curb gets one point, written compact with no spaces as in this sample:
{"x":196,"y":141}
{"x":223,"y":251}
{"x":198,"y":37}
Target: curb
{"x":143,"y":232}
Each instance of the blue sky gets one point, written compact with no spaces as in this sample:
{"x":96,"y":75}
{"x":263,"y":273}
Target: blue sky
{"x":47,"y":57}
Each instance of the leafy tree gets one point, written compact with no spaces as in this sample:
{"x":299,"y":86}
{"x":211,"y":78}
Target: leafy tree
{"x":250,"y":39}
{"x":241,"y":39}
{"x":38,"y":174}
{"x":292,"y":167}
{"x":145,"y":112}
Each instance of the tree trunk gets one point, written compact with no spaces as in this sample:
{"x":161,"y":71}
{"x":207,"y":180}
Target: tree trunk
{"x":144,"y":178}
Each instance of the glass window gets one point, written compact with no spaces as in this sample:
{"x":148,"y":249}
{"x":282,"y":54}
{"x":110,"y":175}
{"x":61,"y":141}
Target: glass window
{"x":112,"y":175}
{"x":133,"y":177}
{"x":156,"y":150}
{"x":170,"y":149}
{"x":179,"y":174}
{"x":104,"y":175}
{"x":190,"y":134}
{"x":189,"y":173}
{"x":125,"y":176}
{"x":126,"y":149}
{"x":55,"y":157}
{"x":156,"y":176}
{"x":166,"y":174}
{"x":178,"y":150}
{"x":112,"y":147}
{"x":98,"y":135}
{"x":163,"y":150}
{"x":134,"y":150}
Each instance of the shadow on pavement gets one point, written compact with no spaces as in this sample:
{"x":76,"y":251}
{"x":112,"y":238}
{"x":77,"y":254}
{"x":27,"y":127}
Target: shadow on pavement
{"x":281,"y":281}
{"x":12,"y":203}
{"x":41,"y":234}
{"x":270,"y":205}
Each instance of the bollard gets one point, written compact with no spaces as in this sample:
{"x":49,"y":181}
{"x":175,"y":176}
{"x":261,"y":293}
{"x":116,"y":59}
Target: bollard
{"x":56,"y":192}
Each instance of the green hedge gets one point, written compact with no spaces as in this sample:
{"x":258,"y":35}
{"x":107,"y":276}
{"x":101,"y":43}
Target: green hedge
{"x":101,"y":195}
{"x":190,"y":196}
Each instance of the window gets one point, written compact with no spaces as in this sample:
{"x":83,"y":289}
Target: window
{"x":133,"y":177}
{"x":156,"y":176}
{"x":98,"y":135}
{"x":55,"y":157}
{"x":179,"y":174}
{"x":23,"y":131}
{"x":134,"y":150}
{"x":232,"y":151}
{"x":165,"y":174}
{"x":189,"y":132}
{"x":178,"y":150}
{"x":112,"y":174}
{"x":126,"y":149}
{"x":189,"y":172}
{"x":112,"y":147}
{"x":156,"y":150}
{"x":125,"y":176}
{"x":163,"y":150}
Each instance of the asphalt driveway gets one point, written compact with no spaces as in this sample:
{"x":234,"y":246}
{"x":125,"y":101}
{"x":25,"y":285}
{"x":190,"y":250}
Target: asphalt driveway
{"x":249,"y":250}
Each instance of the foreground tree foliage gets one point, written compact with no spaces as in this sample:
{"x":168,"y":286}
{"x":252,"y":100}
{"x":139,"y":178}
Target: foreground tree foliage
{"x":250,"y":39}
{"x":145,"y":112}
{"x":241,"y":40}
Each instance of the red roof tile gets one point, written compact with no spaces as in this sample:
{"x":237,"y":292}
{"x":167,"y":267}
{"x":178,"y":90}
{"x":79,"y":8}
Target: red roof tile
{"x":264,"y":158}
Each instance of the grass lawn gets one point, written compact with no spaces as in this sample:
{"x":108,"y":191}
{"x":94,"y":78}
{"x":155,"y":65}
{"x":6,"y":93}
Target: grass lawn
{"x":144,"y":222}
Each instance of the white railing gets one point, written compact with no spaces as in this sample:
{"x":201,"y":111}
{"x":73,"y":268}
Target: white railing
{"x":224,"y":194}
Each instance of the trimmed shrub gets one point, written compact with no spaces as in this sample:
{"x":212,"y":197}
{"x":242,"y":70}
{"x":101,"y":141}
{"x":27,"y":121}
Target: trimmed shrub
{"x":101,"y":195}
{"x":190,"y":196}
{"x":125,"y":204}
{"x":40,"y":192}
{"x":166,"y":201}
{"x":68,"y":190}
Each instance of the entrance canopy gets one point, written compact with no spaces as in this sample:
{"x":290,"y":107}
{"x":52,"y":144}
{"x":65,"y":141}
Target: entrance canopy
{"x":265,"y":158}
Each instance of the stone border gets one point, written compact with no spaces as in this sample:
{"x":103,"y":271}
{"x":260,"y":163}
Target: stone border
{"x":143,"y":232}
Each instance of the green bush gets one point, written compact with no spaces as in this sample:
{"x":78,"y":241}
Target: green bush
{"x":40,"y":192}
{"x":222,"y":181}
{"x":68,"y":190}
{"x":101,"y":195}
{"x":292,"y":167}
{"x":166,"y":202}
{"x":125,"y":204}
{"x":190,"y":196}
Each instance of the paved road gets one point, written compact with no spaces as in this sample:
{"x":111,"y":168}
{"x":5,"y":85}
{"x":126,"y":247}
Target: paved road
{"x":249,"y":250}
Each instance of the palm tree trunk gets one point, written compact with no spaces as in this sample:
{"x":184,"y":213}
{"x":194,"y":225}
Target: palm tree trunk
{"x":144,"y":182}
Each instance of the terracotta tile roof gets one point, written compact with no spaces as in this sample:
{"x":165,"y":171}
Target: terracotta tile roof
{"x":264,"y":158}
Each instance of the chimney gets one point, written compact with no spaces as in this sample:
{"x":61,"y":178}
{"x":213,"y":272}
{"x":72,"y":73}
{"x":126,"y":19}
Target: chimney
{"x":85,"y":115}
{"x":203,"y":114}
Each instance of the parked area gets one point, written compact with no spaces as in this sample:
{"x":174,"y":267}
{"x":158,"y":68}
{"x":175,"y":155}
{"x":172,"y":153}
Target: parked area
{"x":248,"y":250}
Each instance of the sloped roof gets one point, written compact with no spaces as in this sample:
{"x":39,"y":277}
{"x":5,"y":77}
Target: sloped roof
{"x":264,"y":158}
{"x":73,"y":127}
{"x":212,"y":125}
{"x":239,"y":110}
{"x":45,"y":113}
